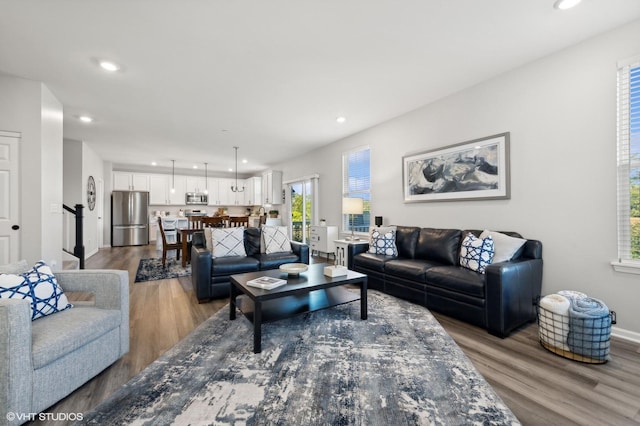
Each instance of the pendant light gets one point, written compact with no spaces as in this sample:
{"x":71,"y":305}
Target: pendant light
{"x":236,"y":188}
{"x":173,"y":176}
{"x":206,"y":180}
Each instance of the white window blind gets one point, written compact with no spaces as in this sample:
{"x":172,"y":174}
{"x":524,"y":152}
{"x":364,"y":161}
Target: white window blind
{"x":356,"y":183}
{"x":628,"y":158}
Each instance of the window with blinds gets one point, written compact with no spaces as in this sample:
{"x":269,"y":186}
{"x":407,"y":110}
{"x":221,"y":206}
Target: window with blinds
{"x":629,"y":161}
{"x":356,"y":183}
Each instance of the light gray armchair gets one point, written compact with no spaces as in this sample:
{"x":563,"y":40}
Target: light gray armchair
{"x":43,"y":361}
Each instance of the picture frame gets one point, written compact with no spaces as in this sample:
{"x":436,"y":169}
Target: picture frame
{"x":473,"y":170}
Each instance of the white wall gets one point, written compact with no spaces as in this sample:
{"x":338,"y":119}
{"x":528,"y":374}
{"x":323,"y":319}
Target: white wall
{"x":92,"y":165}
{"x":80,"y":162}
{"x":72,"y":172}
{"x":561,"y":112}
{"x":29,"y":108}
{"x":50,"y":187}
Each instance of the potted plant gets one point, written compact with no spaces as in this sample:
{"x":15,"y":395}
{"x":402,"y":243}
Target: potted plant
{"x":273,"y":214}
{"x":323,"y":222}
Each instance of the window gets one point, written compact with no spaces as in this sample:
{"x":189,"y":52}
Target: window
{"x":356,"y":183}
{"x":629,"y":161}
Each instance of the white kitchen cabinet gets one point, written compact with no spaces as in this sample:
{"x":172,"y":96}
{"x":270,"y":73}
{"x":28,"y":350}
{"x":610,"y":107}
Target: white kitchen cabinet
{"x":322,"y":239}
{"x":253,"y":191}
{"x":127,"y":181}
{"x":176,"y":198}
{"x":220,"y":196}
{"x":238,"y":198}
{"x":220,"y":192}
{"x":195,"y":184}
{"x":153,"y":228}
{"x":213,"y":191}
{"x":160,"y":190}
{"x":272,"y":187}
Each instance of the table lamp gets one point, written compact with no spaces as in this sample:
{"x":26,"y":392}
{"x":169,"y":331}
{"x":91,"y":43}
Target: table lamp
{"x":352,"y":206}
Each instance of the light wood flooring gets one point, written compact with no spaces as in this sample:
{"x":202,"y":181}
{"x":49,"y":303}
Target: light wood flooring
{"x":539,"y":387}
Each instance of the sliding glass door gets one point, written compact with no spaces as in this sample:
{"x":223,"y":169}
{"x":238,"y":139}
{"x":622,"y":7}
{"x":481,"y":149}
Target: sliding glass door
{"x":301,"y":209}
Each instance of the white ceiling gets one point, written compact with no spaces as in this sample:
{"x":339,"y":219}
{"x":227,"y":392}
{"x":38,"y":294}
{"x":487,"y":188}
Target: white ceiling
{"x":270,"y":76}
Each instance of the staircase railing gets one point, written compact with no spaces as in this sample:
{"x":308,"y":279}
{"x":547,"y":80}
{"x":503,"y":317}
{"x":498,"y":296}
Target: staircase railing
{"x":78,"y":249}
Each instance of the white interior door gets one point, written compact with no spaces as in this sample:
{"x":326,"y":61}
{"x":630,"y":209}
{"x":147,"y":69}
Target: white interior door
{"x":9,"y":198}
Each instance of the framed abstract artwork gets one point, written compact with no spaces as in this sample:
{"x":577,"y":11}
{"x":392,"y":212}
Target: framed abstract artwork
{"x":477,"y":169}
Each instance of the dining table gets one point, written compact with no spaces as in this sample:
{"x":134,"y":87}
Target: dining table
{"x":184,"y":237}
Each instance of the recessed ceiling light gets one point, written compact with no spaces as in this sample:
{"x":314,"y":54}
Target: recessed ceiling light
{"x":244,"y":161}
{"x":195,"y":166}
{"x":85,"y":119}
{"x":109,"y":66}
{"x":153,"y":163}
{"x":565,"y":4}
{"x":230,"y":169}
{"x":341,"y":119}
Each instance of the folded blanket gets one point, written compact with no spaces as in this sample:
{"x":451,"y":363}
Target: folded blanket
{"x":589,"y":328}
{"x":554,"y":321}
{"x":572,"y":294}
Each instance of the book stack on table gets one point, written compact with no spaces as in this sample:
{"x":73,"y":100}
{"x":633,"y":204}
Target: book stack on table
{"x":266,"y":283}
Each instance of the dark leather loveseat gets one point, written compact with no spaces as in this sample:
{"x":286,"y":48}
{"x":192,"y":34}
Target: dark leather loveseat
{"x":427,"y":271}
{"x":210,"y":277}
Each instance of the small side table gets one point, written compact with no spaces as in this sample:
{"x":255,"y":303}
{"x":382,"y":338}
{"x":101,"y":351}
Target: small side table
{"x":342,"y":250}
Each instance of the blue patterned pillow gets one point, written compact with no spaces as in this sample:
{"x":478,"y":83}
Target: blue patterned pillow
{"x":383,"y":241}
{"x":476,"y":253}
{"x":38,"y":286}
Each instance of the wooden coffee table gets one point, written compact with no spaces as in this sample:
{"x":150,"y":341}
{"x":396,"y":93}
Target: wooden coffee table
{"x":308,"y":292}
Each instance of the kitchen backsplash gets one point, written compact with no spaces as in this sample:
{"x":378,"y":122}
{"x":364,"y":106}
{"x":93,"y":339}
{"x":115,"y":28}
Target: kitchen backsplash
{"x":208,"y":210}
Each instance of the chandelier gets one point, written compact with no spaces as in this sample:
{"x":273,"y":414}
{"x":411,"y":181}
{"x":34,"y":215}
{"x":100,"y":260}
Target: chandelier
{"x":236,"y":188}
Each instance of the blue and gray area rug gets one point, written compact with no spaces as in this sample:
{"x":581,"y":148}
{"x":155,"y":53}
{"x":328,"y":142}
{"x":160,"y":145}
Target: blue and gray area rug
{"x":152,"y":270}
{"x":399,"y":367}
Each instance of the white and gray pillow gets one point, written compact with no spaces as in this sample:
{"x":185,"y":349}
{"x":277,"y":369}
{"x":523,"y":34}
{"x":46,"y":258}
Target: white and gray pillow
{"x":226,"y":242}
{"x":505,"y":246}
{"x":275,"y":239}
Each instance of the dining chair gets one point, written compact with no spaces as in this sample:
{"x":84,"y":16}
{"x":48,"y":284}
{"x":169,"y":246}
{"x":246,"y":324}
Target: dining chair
{"x":195,"y":222}
{"x":263,"y":219}
{"x":168,"y":246}
{"x":170,"y":229}
{"x":213,"y":222}
{"x":239,"y":221}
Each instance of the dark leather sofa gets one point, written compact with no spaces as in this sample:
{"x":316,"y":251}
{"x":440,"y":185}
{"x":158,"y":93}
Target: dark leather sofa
{"x":427,"y":271}
{"x":210,"y":277}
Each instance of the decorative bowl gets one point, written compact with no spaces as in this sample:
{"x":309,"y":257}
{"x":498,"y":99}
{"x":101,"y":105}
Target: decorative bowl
{"x":294,"y":268}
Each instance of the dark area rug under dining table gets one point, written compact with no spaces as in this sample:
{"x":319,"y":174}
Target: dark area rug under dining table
{"x":399,"y":367}
{"x":152,"y":270}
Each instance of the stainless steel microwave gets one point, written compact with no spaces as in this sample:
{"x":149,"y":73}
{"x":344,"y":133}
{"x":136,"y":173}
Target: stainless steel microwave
{"x":196,"y":198}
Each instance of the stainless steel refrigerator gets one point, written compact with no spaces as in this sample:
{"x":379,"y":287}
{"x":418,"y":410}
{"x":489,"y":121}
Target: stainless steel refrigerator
{"x":129,"y":218}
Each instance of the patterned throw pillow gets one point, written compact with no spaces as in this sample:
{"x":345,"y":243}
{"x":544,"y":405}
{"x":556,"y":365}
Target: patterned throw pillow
{"x":226,"y":242}
{"x":276,"y":239}
{"x":476,"y":253}
{"x":383,"y":241}
{"x":39,"y":286}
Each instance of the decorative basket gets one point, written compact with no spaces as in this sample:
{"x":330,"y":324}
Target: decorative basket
{"x":581,"y":339}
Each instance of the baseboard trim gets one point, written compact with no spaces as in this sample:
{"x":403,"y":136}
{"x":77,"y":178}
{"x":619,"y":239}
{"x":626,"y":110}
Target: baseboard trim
{"x":621,"y":333}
